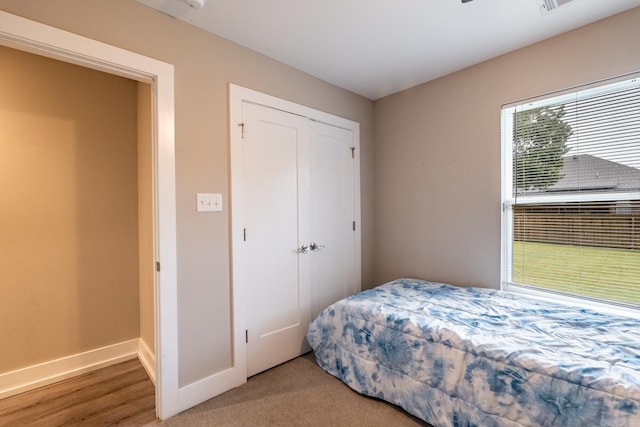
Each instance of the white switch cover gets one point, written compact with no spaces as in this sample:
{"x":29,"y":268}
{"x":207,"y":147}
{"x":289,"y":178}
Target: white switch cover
{"x":207,"y":202}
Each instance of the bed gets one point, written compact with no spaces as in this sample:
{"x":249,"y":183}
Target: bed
{"x":478,"y":357}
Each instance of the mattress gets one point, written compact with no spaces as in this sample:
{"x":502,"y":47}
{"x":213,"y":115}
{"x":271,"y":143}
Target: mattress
{"x":478,"y":357}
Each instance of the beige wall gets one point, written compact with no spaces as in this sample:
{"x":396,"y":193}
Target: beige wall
{"x":204,"y":65}
{"x":438,"y":151}
{"x":68,"y":216}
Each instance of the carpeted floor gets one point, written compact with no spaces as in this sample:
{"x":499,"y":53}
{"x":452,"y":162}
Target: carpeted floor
{"x":297,"y":393}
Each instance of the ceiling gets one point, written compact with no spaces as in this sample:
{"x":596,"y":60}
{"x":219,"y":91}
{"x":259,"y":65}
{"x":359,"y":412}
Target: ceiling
{"x":378,"y":47}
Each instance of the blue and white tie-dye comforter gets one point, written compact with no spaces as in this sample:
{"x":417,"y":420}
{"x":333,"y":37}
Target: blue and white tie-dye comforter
{"x":478,"y":357}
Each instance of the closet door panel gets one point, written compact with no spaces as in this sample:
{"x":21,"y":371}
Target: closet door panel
{"x":331,"y":186}
{"x":278,"y":299}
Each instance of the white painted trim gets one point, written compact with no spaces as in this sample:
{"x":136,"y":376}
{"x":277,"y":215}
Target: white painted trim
{"x":147,"y":359}
{"x":357,"y":258}
{"x":32,"y":377}
{"x":30,"y":36}
{"x":204,"y":389}
{"x":238,"y":292}
{"x":238,"y":94}
{"x":567,"y":299}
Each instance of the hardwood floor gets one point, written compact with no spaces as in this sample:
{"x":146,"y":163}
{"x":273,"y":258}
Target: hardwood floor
{"x":121,"y":394}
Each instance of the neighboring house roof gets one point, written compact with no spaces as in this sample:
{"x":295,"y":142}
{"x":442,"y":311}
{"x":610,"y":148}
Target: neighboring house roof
{"x":587,"y":172}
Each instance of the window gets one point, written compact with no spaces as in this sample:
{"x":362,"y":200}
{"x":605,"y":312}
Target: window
{"x":571,"y":194}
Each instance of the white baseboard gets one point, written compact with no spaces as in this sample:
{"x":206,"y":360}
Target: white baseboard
{"x":206,"y":388}
{"x":31,"y":377}
{"x":148,"y":360}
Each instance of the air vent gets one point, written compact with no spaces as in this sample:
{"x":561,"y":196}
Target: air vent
{"x":547,"y":6}
{"x":195,"y":4}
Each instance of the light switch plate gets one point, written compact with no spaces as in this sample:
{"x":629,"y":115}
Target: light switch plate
{"x":208,"y":202}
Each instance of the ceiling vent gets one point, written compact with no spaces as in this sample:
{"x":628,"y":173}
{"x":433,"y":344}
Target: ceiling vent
{"x":195,"y":4}
{"x":547,"y":6}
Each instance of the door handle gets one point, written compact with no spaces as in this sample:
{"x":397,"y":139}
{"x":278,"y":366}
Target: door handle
{"x":306,"y":248}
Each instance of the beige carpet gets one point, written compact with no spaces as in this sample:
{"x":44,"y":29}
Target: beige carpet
{"x":297,"y":393}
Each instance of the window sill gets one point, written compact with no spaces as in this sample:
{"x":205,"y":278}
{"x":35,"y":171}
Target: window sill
{"x":603,"y":307}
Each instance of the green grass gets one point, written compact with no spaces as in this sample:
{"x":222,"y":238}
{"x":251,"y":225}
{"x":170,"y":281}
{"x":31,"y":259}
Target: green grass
{"x":612,"y":274}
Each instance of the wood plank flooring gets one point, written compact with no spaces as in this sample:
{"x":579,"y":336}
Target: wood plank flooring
{"x":121,"y":394}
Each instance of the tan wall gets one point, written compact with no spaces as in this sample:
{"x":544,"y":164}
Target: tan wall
{"x":204,"y":65}
{"x":438,"y":151}
{"x":68,"y":210}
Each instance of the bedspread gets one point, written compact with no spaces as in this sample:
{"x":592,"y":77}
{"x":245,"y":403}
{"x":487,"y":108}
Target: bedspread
{"x":477,"y":357}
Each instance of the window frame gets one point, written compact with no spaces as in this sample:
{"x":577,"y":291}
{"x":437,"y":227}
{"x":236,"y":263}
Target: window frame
{"x":509,"y":199}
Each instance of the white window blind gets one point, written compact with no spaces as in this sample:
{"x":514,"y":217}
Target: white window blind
{"x":571,"y":193}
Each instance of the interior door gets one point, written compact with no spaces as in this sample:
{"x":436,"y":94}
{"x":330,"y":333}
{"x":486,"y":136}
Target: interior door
{"x":278,"y":297}
{"x":299,"y":240}
{"x":332,"y":227}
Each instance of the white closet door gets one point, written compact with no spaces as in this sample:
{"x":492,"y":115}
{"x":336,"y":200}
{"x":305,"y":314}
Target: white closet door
{"x":298,"y":244}
{"x":278,"y":297}
{"x":331,"y":196}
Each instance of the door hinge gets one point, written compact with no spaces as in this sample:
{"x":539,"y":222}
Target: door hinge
{"x":353,"y":152}
{"x":354,"y":226}
{"x":157,"y":265}
{"x":244,"y":234}
{"x":241,"y":129}
{"x":246,"y":336}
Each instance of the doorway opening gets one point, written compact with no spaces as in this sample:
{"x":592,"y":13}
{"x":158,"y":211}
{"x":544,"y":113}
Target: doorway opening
{"x":75,"y":151}
{"x":29,"y":36}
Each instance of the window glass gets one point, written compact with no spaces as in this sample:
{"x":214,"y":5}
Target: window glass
{"x":571,"y":193}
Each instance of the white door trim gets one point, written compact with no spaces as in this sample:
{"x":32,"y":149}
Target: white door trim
{"x":23,"y":34}
{"x":238,"y":95}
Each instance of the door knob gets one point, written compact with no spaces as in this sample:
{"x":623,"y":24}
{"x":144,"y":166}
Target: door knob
{"x":314,"y":246}
{"x":303,"y":249}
